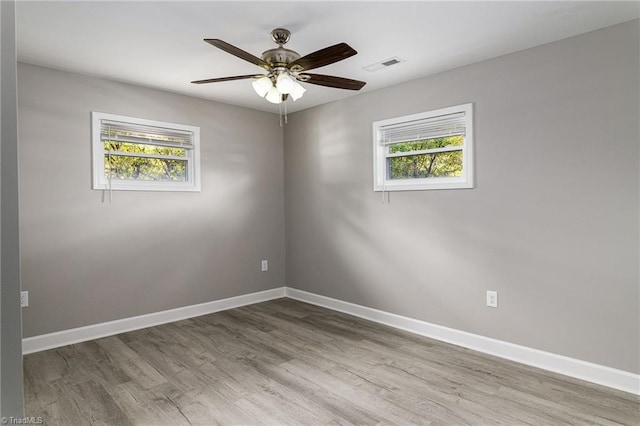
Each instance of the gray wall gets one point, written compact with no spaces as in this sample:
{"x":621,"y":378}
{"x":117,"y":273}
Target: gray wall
{"x":552,"y":224}
{"x":86,"y":261}
{"x":10,"y":330}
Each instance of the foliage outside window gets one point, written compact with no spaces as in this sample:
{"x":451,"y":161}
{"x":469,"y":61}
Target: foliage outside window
{"x":431,"y":150}
{"x":137,"y":154}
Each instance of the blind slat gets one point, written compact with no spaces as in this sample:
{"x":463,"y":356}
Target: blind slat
{"x":144,"y":141}
{"x":449,"y":148}
{"x":142,"y":155}
{"x":428,"y":128}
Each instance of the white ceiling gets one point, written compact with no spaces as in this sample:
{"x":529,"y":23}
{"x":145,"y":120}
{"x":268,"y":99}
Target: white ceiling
{"x":159,"y":43}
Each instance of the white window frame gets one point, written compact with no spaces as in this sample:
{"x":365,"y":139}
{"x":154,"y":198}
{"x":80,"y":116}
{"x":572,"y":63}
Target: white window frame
{"x":102,"y":182}
{"x":381,"y":182}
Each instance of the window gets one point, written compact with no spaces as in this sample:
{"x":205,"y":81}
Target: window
{"x":431,"y":150}
{"x":144,"y":155}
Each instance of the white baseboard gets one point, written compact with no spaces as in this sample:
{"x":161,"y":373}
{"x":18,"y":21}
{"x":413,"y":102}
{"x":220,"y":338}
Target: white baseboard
{"x":595,"y":373}
{"x":96,"y":331}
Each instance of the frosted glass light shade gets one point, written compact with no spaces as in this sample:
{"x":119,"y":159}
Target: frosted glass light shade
{"x":284,"y":83}
{"x":297,"y":91}
{"x":274,"y":96}
{"x":262,"y":86}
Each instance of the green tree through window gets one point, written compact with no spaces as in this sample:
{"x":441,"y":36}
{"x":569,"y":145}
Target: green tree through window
{"x":425,"y":165}
{"x":152,"y":162}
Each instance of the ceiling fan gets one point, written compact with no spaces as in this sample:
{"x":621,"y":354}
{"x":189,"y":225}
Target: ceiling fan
{"x":285,"y":68}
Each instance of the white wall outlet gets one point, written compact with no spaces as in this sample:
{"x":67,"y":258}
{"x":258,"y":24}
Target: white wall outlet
{"x":24,"y":299}
{"x":265,"y":265}
{"x":492,"y":299}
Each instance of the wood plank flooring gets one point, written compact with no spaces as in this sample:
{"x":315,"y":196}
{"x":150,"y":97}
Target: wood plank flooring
{"x":285,"y":362}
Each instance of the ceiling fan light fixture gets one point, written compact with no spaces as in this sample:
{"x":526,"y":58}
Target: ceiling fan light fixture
{"x":262,"y":86}
{"x":297,"y":91}
{"x":285,"y":83}
{"x":274,"y":96}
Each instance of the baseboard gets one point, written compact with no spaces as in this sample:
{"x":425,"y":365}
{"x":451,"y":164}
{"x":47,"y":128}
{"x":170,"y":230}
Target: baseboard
{"x":595,"y":373}
{"x":96,"y":331}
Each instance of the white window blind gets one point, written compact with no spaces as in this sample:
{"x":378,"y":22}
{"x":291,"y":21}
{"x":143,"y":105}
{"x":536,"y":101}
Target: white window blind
{"x":117,"y":131}
{"x":426,"y":128}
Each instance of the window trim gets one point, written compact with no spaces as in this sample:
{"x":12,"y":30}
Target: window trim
{"x":100,"y":182}
{"x":381,"y":153}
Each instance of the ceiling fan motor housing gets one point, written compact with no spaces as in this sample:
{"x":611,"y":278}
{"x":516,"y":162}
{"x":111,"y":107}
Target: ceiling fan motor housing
{"x":279,"y":57}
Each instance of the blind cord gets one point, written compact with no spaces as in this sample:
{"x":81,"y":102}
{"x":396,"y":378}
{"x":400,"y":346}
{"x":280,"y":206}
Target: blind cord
{"x":110,"y":173}
{"x":110,"y":169}
{"x":384,"y":181}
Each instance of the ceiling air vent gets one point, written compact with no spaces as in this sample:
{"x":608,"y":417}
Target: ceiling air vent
{"x":384,"y":64}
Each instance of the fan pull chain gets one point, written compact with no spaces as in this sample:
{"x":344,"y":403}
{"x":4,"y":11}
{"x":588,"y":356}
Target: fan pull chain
{"x":285,"y":112}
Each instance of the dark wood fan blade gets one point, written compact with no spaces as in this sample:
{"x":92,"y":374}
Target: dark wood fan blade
{"x":235,"y":51}
{"x":217,"y":80}
{"x":322,"y":57}
{"x":332,"y":81}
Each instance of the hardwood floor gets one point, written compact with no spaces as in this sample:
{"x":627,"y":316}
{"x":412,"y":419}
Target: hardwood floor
{"x":285,"y":362}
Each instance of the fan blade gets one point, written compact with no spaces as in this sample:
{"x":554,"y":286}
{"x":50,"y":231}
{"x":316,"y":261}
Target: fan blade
{"x":235,"y":77}
{"x":322,"y":57}
{"x":235,"y":51}
{"x":332,"y":81}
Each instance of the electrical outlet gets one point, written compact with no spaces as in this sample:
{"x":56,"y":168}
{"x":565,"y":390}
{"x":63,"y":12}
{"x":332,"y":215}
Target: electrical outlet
{"x":265,"y":265}
{"x":24,"y":299}
{"x":492,"y":299}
